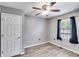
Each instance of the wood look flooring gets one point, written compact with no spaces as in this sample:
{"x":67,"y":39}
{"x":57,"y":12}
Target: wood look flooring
{"x":48,"y":50}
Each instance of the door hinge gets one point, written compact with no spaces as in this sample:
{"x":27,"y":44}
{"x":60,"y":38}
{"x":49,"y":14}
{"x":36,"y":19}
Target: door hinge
{"x":2,"y":35}
{"x":2,"y":52}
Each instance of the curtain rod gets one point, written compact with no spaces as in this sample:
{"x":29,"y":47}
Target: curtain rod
{"x":67,"y":17}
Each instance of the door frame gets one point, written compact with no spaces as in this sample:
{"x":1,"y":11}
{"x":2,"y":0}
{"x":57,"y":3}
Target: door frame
{"x":0,"y":34}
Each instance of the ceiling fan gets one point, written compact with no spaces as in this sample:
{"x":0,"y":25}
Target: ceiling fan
{"x":46,"y":8}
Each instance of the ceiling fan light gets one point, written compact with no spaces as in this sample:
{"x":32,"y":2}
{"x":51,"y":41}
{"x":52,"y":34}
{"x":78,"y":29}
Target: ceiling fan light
{"x":48,"y":8}
{"x":45,"y":12}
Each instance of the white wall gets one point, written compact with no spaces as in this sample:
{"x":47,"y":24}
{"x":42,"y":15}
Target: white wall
{"x":34,"y":28}
{"x":53,"y":32}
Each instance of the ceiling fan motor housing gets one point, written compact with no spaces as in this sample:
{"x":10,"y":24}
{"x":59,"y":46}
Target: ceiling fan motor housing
{"x":44,"y":7}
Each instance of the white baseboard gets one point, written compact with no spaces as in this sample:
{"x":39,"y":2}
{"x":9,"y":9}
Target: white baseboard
{"x":36,"y":44}
{"x":64,"y":47}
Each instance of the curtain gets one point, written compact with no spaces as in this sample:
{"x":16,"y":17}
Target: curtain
{"x":74,"y":38}
{"x":58,"y":30}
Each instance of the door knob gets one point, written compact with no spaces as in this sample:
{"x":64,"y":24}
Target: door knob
{"x":19,"y":37}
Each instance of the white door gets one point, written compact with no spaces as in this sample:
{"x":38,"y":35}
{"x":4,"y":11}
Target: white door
{"x":11,"y":34}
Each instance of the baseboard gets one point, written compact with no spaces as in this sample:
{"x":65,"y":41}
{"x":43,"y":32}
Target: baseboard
{"x":36,"y":44}
{"x":64,"y":47}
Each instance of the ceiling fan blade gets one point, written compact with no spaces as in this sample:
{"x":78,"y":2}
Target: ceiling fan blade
{"x":52,"y":3}
{"x":55,"y":10}
{"x":36,"y":8}
{"x":37,"y":13}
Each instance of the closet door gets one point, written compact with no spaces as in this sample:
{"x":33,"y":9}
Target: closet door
{"x":11,"y":34}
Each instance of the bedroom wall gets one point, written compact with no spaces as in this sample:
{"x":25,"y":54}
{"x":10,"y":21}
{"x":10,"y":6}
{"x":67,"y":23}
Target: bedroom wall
{"x":53,"y":32}
{"x":35,"y":31}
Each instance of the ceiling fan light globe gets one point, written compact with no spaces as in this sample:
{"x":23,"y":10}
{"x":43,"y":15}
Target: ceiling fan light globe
{"x":45,"y":12}
{"x":48,"y":8}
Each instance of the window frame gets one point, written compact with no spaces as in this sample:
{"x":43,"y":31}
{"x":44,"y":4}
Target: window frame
{"x":66,"y":31}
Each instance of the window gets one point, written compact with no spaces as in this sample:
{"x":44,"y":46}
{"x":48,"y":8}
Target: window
{"x":65,"y":29}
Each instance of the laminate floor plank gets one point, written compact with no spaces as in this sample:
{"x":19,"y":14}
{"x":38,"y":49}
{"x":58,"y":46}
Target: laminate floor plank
{"x":48,"y":50}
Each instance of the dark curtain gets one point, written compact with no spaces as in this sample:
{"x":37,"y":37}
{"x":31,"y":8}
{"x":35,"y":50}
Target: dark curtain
{"x":58,"y":30}
{"x":74,"y":38}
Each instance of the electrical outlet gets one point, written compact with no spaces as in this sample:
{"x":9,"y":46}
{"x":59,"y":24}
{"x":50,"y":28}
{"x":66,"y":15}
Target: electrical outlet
{"x":39,"y":39}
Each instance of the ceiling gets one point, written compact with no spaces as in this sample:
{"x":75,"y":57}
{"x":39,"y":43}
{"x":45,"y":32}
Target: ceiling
{"x":64,"y":7}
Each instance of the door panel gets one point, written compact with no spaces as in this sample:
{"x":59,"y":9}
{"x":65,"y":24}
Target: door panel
{"x":11,"y":30}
